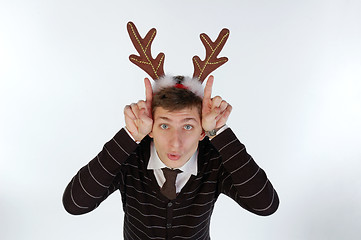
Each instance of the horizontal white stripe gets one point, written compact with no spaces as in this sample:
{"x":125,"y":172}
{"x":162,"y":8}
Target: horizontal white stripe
{"x":227,"y":144}
{"x":95,"y":178}
{"x":112,"y":156}
{"x":148,"y":237}
{"x":145,"y":204}
{"x":239,"y":184}
{"x":225,"y":161}
{"x":195,"y":205}
{"x":145,"y":193}
{"x":192,"y":226}
{"x":81,"y":184}
{"x":266,"y":208}
{"x":256,"y":192}
{"x":249,"y":160}
{"x":193,"y":215}
{"x":120,"y":146}
{"x":128,"y":227}
{"x":72,"y":198}
{"x":113,"y":175}
{"x":143,"y":214}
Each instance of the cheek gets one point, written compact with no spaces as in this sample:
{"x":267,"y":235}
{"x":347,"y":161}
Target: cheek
{"x":160,"y":140}
{"x":192,"y":141}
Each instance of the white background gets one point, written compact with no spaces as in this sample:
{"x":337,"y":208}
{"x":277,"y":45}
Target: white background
{"x":293,"y":78}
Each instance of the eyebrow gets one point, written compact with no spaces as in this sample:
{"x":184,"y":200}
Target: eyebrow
{"x":184,"y":120}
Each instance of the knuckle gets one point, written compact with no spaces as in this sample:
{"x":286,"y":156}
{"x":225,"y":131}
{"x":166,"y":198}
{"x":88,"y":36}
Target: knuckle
{"x":134,"y":106}
{"x":217,"y":98}
{"x":126,"y":108}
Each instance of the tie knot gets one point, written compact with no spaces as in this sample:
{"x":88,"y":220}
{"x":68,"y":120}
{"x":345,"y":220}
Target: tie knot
{"x":170,"y":173}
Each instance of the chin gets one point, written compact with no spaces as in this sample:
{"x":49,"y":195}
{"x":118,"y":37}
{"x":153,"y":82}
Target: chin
{"x":173,"y":164}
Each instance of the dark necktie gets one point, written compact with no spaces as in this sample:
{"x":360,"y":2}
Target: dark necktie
{"x":168,"y":189}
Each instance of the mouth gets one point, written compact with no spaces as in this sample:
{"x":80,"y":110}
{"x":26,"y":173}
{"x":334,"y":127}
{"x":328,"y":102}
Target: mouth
{"x":173,"y":157}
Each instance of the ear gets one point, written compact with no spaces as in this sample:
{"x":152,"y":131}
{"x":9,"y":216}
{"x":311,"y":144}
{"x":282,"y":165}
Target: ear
{"x":203,"y":134}
{"x":150,"y":134}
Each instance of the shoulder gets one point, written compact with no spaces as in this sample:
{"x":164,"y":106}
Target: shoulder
{"x":207,"y":151}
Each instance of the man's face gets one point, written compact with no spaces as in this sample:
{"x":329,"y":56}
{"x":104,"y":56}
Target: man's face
{"x":176,"y":135}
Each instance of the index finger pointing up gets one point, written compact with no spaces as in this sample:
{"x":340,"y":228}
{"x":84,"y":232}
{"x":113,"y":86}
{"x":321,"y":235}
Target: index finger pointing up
{"x":208,"y":88}
{"x":148,"y":91}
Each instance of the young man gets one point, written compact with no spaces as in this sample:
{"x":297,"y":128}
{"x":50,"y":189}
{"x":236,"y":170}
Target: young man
{"x":168,"y":130}
{"x":174,"y":157}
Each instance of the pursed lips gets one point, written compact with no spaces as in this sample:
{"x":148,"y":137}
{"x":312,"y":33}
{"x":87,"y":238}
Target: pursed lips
{"x":173,"y":156}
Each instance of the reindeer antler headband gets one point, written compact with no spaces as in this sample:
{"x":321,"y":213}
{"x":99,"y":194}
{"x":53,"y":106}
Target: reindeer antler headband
{"x":154,"y":67}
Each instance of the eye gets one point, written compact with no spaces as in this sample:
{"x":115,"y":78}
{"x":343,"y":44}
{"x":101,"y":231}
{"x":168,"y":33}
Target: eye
{"x":188,"y":127}
{"x":163,"y":126}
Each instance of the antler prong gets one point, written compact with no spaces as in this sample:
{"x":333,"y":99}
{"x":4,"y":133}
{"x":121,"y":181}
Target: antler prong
{"x":203,"y":68}
{"x":154,"y":67}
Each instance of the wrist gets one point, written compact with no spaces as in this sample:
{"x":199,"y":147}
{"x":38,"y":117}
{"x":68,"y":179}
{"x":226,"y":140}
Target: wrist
{"x":212,"y":133}
{"x":136,"y":138}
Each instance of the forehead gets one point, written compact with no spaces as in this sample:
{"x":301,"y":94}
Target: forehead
{"x":186,"y":114}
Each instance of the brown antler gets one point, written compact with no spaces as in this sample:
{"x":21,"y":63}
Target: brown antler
{"x":203,"y":68}
{"x":154,"y":67}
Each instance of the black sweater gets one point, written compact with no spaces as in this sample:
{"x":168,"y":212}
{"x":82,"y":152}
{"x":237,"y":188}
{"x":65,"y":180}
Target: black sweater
{"x":224,"y":166}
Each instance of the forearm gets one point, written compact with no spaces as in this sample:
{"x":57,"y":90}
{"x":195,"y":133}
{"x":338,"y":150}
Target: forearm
{"x":246,"y":182}
{"x":95,"y":181}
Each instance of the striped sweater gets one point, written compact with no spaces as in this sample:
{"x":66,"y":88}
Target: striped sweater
{"x":224,"y":166}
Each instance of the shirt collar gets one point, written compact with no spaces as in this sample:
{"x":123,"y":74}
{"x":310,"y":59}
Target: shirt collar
{"x":190,"y":166}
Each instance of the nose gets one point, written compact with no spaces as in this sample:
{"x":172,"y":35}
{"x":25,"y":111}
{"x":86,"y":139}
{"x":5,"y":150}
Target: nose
{"x":175,"y":140}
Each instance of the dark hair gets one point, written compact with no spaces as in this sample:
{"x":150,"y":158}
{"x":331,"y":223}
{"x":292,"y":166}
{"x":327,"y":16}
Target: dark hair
{"x":173,"y":99}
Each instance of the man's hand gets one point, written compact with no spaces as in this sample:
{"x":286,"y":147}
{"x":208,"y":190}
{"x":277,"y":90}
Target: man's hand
{"x":215,"y":111}
{"x":138,"y":116}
